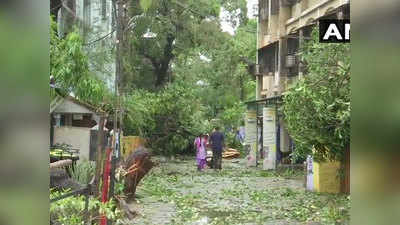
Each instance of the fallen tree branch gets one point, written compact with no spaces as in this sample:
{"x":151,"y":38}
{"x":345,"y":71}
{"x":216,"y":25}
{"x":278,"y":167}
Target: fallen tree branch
{"x":61,"y":163}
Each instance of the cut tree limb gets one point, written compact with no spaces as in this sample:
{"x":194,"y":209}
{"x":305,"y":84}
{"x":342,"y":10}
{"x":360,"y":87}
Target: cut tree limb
{"x":138,"y":164}
{"x":61,"y":163}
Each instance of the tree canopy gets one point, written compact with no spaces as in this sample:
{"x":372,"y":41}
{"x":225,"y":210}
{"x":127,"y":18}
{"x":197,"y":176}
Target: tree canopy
{"x":167,"y":29}
{"x":207,"y":76}
{"x":180,"y":69}
{"x":317,"y":107}
{"x":70,"y":68}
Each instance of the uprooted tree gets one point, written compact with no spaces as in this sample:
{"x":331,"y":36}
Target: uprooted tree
{"x":136,"y":166}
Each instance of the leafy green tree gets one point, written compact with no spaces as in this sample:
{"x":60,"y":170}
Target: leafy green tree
{"x":70,"y":69}
{"x":169,"y":119}
{"x":220,"y":75}
{"x":200,"y":72}
{"x":164,"y":31}
{"x":317,"y":107}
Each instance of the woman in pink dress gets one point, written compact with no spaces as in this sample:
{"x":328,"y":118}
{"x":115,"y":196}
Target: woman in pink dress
{"x":200,"y":143}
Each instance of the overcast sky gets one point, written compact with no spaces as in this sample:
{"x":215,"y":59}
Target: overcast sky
{"x":226,"y":26}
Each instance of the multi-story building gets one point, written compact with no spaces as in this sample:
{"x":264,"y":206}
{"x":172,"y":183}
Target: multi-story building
{"x":282,"y":27}
{"x":95,"y":21}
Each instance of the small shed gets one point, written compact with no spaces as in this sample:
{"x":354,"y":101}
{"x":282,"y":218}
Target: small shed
{"x":71,"y":122}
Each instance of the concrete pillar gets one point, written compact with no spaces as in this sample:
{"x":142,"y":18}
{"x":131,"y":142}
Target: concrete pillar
{"x":285,"y":13}
{"x":269,"y":138}
{"x":303,"y":5}
{"x":273,"y":23}
{"x":251,"y":137}
{"x":278,"y":63}
{"x":282,"y":70}
{"x":258,"y":87}
{"x":301,"y":42}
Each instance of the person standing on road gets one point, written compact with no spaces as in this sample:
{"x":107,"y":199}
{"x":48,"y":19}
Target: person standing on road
{"x":217,"y":144}
{"x":201,"y":154}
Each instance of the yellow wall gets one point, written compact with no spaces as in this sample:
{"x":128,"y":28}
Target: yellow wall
{"x":130,"y":144}
{"x":326,"y":177}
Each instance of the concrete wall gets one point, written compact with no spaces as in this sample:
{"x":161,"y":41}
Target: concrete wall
{"x":296,"y":10}
{"x":78,"y":137}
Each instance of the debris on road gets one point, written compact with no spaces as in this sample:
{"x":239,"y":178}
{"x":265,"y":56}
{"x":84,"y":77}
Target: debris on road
{"x":230,"y":153}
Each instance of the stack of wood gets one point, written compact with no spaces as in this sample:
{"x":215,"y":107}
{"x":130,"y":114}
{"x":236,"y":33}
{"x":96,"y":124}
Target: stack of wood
{"x":136,"y":166}
{"x":230,"y":153}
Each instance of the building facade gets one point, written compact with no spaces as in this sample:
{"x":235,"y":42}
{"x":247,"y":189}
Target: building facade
{"x":95,"y":20}
{"x":283,"y":25}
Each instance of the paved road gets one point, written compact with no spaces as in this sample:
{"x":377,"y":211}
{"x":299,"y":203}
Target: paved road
{"x":175,"y":193}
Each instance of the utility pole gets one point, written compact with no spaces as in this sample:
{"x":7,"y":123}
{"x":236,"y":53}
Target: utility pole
{"x":119,"y":6}
{"x":258,"y":78}
{"x":99,"y":154}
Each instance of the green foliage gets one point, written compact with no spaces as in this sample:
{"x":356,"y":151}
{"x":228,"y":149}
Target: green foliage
{"x":226,"y":197}
{"x":166,"y":30}
{"x":145,"y":4}
{"x":232,"y":117}
{"x":170,"y":118}
{"x":70,"y":68}
{"x":71,"y":211}
{"x":83,"y":172}
{"x":138,"y":119}
{"x":203,"y":89}
{"x":317,"y":108}
{"x":192,"y":70}
{"x":219,"y":74}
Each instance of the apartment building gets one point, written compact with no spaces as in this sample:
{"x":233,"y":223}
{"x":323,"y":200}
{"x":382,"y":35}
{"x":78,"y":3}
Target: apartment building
{"x":95,"y":21}
{"x":282,"y":27}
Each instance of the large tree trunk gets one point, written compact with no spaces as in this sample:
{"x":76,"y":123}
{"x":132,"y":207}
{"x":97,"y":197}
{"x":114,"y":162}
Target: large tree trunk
{"x":163,"y":67}
{"x":138,"y":164}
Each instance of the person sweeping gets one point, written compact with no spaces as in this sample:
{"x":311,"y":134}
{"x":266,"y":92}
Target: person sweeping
{"x":201,"y":154}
